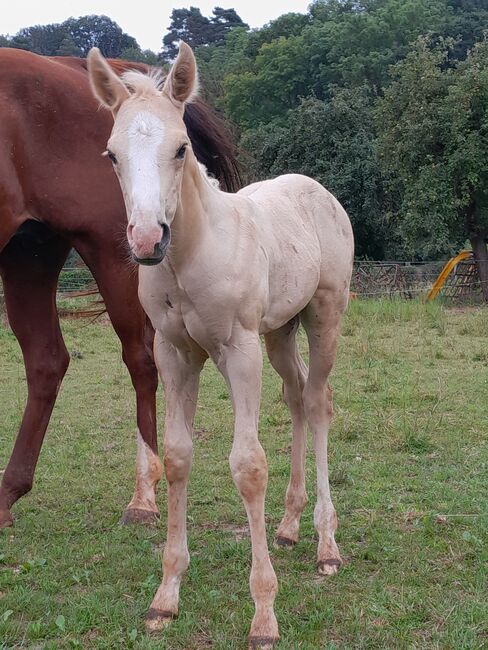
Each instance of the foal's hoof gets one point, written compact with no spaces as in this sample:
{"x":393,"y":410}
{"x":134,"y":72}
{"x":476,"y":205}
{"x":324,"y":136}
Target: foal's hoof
{"x":157,"y":620}
{"x":329,"y":567}
{"x":140,"y":516}
{"x":262,"y":642}
{"x":284,"y":542}
{"x":6,"y":519}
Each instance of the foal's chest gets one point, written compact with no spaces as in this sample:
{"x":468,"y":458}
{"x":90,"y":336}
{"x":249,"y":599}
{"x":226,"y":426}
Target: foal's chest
{"x":175,"y":311}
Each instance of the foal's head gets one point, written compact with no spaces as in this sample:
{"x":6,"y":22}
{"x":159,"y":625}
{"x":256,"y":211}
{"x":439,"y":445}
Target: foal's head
{"x":148,"y":145}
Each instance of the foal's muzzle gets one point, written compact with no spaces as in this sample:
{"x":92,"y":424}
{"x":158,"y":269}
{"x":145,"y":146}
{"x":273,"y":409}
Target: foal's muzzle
{"x":159,"y":249}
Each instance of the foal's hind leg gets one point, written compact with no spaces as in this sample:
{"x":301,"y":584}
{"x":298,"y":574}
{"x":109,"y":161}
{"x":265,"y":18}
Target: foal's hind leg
{"x":286,"y":360}
{"x":321,"y":320}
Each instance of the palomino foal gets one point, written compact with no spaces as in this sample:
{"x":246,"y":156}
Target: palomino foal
{"x":219,"y":270}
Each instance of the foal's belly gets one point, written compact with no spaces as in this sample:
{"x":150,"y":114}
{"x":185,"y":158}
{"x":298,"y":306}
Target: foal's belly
{"x":287,"y":303}
{"x":293,"y":278}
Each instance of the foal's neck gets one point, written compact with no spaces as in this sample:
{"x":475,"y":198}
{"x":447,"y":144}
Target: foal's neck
{"x":193,"y":215}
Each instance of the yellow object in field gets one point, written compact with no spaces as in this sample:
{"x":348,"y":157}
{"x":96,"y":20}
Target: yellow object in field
{"x":443,"y":275}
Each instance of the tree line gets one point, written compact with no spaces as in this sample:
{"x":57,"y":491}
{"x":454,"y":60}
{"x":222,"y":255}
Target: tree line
{"x":383,"y":101}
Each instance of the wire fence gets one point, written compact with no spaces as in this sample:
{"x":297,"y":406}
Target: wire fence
{"x":416,"y":279}
{"x":390,"y":279}
{"x":371,"y":279}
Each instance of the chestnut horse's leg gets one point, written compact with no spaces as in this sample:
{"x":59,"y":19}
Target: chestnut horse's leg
{"x":30,"y":272}
{"x":117,"y":281}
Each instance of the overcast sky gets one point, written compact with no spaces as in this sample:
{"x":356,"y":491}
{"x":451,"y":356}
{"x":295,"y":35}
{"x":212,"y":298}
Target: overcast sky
{"x":146,"y":21}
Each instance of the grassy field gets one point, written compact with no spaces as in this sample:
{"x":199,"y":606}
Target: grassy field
{"x":409,"y":471}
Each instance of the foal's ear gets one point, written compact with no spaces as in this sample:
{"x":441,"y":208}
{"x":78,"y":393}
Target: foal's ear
{"x":105,"y":84}
{"x":181,"y":84}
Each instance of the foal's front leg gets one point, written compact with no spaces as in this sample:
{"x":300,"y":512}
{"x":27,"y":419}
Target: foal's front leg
{"x":179,"y":369}
{"x":240,"y":362}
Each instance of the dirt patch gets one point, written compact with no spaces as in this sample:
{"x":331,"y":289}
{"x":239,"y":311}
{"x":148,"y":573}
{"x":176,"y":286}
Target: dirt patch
{"x":468,"y":309}
{"x":92,"y":635}
{"x":202,"y":433}
{"x":203,"y":640}
{"x":238,"y":532}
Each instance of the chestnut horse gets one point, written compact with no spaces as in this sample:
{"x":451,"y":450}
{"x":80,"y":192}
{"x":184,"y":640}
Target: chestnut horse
{"x":58,"y":192}
{"x":219,"y":270}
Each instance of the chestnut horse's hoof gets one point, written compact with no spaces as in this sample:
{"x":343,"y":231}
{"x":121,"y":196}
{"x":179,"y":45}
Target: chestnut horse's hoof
{"x":157,"y":620}
{"x":6,"y":519}
{"x":262,"y":642}
{"x":284,"y":542}
{"x":140,"y":516}
{"x":329,"y":567}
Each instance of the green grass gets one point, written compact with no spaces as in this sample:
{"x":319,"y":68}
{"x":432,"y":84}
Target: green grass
{"x":409,"y":474}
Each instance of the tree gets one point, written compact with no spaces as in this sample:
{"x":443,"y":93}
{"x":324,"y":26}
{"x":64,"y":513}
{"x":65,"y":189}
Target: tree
{"x":41,"y":39}
{"x":467,"y":150}
{"x":278,"y":78}
{"x":466,"y":22}
{"x":222,"y":22}
{"x":68,"y":47}
{"x":191,"y":26}
{"x":142,"y":56}
{"x":99,"y":31}
{"x":75,"y":37}
{"x":434,"y":147}
{"x":352,"y":43}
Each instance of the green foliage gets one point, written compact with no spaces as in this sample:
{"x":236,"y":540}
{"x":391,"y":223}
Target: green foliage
{"x":68,"y":47}
{"x":75,"y":37}
{"x":466,"y":22}
{"x":355,"y":43}
{"x":99,"y":31}
{"x":196,"y":30}
{"x":41,"y":39}
{"x":277,"y":80}
{"x":142,"y":56}
{"x":434,"y":147}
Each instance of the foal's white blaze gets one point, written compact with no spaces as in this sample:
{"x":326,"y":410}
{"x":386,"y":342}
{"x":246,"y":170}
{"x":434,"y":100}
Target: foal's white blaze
{"x":146,"y":135}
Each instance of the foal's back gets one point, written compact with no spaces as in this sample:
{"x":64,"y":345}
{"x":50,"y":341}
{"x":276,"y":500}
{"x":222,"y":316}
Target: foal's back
{"x":304,"y":227}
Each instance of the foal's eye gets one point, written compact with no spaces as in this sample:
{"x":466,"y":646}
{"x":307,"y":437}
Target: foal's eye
{"x":181,"y":152}
{"x":112,"y":156}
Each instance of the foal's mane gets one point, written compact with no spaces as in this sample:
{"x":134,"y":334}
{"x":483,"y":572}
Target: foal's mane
{"x":141,"y":83}
{"x":211,"y":141}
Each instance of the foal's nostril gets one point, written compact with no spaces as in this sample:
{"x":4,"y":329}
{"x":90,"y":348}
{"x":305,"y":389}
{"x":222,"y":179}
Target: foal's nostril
{"x":165,"y":239}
